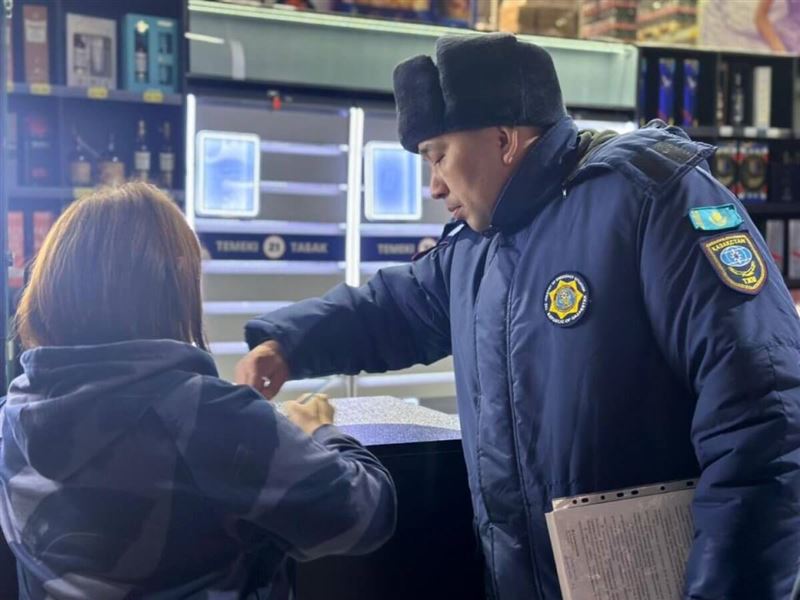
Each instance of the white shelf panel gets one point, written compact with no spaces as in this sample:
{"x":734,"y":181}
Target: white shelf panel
{"x":274,"y":267}
{"x":242,"y":308}
{"x":265,"y":226}
{"x":300,"y":149}
{"x":299,"y":188}
{"x":433,"y":230}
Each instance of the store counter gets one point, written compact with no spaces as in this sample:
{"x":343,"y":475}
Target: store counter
{"x":433,"y":553}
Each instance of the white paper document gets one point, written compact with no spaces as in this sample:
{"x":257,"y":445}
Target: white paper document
{"x":629,"y":544}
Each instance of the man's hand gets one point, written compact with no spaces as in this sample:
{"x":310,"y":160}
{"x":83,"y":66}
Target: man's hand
{"x":263,"y":368}
{"x":310,"y":412}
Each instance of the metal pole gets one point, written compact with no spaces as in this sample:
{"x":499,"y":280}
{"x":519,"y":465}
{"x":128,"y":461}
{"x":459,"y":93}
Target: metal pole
{"x":5,"y":17}
{"x":353,"y":228}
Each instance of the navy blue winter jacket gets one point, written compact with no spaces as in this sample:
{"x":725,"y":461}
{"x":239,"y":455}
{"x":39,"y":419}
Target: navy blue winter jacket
{"x":604,"y":335}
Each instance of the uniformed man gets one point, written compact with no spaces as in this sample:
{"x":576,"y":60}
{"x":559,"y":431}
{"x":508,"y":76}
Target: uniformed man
{"x":612,"y":311}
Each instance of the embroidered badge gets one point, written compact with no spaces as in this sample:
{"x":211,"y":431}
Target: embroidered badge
{"x":715,"y":218}
{"x":737,"y":261}
{"x":566,"y":299}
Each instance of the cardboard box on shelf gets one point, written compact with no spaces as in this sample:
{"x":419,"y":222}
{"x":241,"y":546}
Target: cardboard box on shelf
{"x":667,"y":21}
{"x":454,"y":13}
{"x":725,"y":165}
{"x":612,"y":19}
{"x":691,"y":79}
{"x":36,"y":50}
{"x":776,"y":241}
{"x":784,"y":177}
{"x":666,"y":90}
{"x":43,"y":220}
{"x":741,"y":78}
{"x":794,"y":249}
{"x":9,"y":52}
{"x":753,"y":166}
{"x":721,"y":103}
{"x":16,"y":247}
{"x":37,"y":150}
{"x":150,"y":53}
{"x":12,"y":149}
{"x":793,"y":270}
{"x":762,"y":96}
{"x":557,"y":19}
{"x":412,"y":10}
{"x":91,"y":51}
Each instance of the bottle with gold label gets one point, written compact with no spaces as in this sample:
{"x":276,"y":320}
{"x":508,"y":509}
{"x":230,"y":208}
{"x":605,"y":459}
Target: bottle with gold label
{"x":141,"y":155}
{"x":112,"y":169}
{"x":80,"y":167}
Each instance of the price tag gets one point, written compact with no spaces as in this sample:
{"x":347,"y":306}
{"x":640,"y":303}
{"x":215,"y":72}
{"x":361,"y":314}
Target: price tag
{"x":41,"y":89}
{"x":80,"y":192}
{"x":153,"y":96}
{"x":97,"y":92}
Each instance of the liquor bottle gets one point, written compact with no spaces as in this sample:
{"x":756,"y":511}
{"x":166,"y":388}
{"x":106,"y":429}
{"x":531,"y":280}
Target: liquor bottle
{"x":141,"y":155}
{"x":80,"y":59}
{"x":141,"y":52}
{"x":112,"y":169}
{"x":737,"y":100}
{"x":166,"y":158}
{"x":80,"y":167}
{"x":38,"y":151}
{"x":165,"y":70}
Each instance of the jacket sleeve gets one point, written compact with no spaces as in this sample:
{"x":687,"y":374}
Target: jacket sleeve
{"x":311,"y":496}
{"x":740,"y":354}
{"x":399,"y":318}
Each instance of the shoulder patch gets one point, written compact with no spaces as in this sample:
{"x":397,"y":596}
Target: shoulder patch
{"x":715,"y":218}
{"x":737,"y":261}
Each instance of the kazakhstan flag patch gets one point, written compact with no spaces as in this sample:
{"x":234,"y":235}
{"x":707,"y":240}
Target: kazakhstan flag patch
{"x":715,"y":218}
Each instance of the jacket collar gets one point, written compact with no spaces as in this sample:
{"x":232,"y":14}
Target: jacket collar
{"x":541,"y":173}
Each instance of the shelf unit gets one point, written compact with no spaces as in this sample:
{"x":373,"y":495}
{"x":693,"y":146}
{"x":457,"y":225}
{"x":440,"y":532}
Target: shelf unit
{"x":91,"y":111}
{"x":728,"y":103}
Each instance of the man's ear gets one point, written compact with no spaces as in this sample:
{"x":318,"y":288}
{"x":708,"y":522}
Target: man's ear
{"x":509,"y":143}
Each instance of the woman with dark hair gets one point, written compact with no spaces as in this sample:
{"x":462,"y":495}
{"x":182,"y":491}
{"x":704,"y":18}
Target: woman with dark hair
{"x":128,"y":468}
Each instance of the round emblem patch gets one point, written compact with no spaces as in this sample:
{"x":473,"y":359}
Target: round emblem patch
{"x":566,"y":299}
{"x":736,"y":256}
